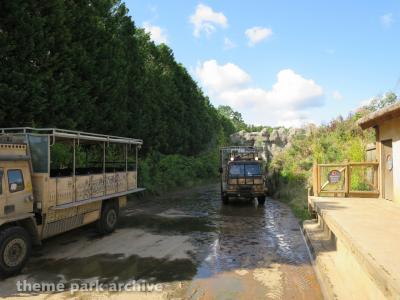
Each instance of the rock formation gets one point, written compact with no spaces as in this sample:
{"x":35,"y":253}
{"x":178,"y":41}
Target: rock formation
{"x":272,"y":141}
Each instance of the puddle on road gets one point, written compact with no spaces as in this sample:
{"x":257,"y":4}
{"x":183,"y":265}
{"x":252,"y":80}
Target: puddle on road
{"x":166,"y":225}
{"x":225,"y":238}
{"x":111,"y":268}
{"x":254,"y":237}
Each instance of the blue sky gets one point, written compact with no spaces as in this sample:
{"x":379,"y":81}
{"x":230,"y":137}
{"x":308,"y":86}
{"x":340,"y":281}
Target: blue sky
{"x":282,"y":62}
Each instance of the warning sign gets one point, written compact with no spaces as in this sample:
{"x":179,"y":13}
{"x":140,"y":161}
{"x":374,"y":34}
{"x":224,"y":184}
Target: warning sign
{"x":334,"y":176}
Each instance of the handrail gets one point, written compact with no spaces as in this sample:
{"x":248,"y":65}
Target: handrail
{"x":365,"y":183}
{"x":350,"y":163}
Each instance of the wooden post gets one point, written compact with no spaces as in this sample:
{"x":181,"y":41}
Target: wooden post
{"x":376,"y":177}
{"x":314,"y":181}
{"x":318,"y":171}
{"x":347,"y":180}
{"x":378,"y":158}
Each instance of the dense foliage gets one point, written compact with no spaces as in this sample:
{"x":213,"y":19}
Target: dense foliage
{"x":84,"y":65}
{"x":339,"y":141}
{"x":237,"y":120}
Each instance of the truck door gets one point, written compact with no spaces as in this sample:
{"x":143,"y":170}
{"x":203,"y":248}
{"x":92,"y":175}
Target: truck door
{"x":17,"y":188}
{"x":387,"y":169}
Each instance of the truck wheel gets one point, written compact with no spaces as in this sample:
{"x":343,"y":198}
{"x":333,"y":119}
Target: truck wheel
{"x":15,"y":249}
{"x":261,"y":200}
{"x":108,"y":219}
{"x":225,"y":199}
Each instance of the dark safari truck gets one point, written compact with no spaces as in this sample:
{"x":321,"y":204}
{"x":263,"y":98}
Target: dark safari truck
{"x":242,"y":174}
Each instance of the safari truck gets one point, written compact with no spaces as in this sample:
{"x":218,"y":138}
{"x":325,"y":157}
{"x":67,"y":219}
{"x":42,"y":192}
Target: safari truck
{"x":54,"y":180}
{"x":242,"y":174}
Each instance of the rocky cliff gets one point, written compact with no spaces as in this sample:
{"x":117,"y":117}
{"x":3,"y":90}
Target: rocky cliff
{"x":272,"y":141}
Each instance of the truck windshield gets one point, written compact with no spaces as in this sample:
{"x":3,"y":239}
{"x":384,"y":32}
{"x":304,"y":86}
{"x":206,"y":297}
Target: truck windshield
{"x":244,"y":170}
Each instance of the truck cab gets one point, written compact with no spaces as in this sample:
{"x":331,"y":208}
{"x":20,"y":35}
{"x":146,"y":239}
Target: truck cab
{"x":16,"y":206}
{"x":242,"y":174}
{"x":15,"y":181}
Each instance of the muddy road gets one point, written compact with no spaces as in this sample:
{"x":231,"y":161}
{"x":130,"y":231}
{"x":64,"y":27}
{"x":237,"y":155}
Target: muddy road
{"x":190,"y":243}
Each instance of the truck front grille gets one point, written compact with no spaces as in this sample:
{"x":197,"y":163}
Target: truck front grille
{"x":245,"y":181}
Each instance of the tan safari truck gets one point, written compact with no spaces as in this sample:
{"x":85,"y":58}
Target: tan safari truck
{"x":242,"y":174}
{"x":53,"y":180}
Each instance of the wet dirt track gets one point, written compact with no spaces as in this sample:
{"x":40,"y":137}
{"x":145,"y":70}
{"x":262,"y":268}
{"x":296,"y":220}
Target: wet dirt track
{"x":192,"y":244}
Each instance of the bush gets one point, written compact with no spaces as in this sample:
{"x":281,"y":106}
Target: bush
{"x":158,"y":172}
{"x":339,"y":141}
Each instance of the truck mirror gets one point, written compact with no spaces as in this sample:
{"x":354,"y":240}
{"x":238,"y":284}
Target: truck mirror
{"x":13,"y":187}
{"x":220,"y":170}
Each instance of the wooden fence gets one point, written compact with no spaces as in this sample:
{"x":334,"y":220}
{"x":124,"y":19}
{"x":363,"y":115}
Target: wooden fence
{"x":356,"y":179}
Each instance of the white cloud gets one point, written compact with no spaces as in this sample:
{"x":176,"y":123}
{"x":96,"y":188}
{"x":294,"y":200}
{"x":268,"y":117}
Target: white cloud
{"x":157,"y":34}
{"x":337,"y":95}
{"x":291,"y":118}
{"x":228,"y":44}
{"x":387,"y":20}
{"x":219,"y":78}
{"x":257,"y":34}
{"x":290,"y":90}
{"x":286,"y":103}
{"x":205,"y":19}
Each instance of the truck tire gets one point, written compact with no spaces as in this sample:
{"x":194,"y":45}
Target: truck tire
{"x":261,"y":200}
{"x":108,"y":218}
{"x":15,"y":250}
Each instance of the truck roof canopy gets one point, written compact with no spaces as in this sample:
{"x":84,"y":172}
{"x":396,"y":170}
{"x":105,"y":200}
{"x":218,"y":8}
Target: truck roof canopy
{"x":240,"y":148}
{"x":70,"y":135}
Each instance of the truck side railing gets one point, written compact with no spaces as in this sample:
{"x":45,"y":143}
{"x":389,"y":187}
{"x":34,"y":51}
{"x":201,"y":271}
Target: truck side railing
{"x":353,"y":179}
{"x":70,"y":134}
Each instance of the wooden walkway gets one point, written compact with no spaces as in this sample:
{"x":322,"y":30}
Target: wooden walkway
{"x":370,"y":228}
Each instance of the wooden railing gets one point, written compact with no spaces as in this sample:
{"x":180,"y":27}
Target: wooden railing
{"x":356,"y":179}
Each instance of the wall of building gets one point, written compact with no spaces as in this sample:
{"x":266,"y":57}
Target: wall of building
{"x":390,"y":129}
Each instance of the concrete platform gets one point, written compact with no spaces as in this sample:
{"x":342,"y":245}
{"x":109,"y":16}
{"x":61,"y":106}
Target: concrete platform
{"x":356,"y":246}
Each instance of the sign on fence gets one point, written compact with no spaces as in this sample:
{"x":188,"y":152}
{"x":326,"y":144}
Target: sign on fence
{"x":334,"y":176}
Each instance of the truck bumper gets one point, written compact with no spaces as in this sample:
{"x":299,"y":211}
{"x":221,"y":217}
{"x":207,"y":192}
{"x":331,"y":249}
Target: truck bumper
{"x":245,"y":194}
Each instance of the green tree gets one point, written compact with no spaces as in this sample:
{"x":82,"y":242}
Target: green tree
{"x":382,"y":101}
{"x":234,"y":116}
{"x":85,"y":65}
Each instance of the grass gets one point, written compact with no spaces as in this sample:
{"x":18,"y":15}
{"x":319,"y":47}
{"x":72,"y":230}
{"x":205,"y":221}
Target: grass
{"x":293,"y":192}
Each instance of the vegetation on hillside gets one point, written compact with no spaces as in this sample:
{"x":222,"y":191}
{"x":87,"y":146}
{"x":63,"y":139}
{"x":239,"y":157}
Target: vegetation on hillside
{"x":339,"y":141}
{"x":84,"y":65}
{"x":237,"y":120}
